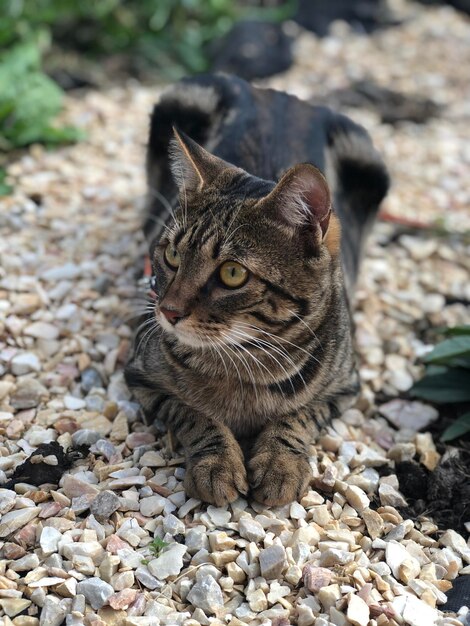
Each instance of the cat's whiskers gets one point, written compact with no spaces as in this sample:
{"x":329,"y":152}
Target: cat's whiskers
{"x":259,"y":343}
{"x":138,"y":308}
{"x":256,"y":361}
{"x":140,"y":301}
{"x":185,"y":200}
{"x":229,"y":239}
{"x":228,"y":234}
{"x":154,"y":330}
{"x":223,"y":348}
{"x":154,"y":326}
{"x":214,"y":348}
{"x":229,"y":343}
{"x":143,"y":330}
{"x":233,"y":342}
{"x":159,"y":221}
{"x":277,"y":339}
{"x":157,"y":194}
{"x":146,"y":322}
{"x":279,"y":350}
{"x":302,"y":321}
{"x":135,"y":315}
{"x":166,"y":205}
{"x":255,"y":343}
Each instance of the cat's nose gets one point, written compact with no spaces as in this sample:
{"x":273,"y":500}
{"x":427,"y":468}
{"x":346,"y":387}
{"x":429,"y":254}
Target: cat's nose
{"x":172,"y":314}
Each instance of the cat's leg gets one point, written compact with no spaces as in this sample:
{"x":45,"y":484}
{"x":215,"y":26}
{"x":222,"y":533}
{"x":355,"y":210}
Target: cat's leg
{"x":215,"y":466}
{"x":278,"y":470}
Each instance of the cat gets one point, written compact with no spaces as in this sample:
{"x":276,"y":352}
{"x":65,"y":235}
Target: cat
{"x":249,"y":349}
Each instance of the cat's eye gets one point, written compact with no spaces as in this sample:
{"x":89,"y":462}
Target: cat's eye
{"x":233,"y":274}
{"x":172,"y":256}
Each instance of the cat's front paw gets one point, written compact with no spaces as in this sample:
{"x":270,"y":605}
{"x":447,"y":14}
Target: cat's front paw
{"x":278,"y":477}
{"x":217,"y":479}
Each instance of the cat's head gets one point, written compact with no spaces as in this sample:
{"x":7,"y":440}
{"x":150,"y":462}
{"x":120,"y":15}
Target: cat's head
{"x":243,"y":256}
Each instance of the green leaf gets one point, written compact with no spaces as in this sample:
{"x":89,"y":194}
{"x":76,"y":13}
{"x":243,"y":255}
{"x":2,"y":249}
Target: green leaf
{"x":462,"y":362}
{"x":64,"y":134}
{"x":157,"y":545}
{"x":448,"y":387}
{"x":458,"y":330}
{"x":449,"y":349}
{"x":29,"y":101}
{"x":5,"y":189}
{"x":461,"y":426}
{"x":432,"y":370}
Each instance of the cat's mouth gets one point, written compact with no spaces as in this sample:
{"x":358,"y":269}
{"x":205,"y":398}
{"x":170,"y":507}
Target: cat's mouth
{"x":199,"y":337}
{"x":187,"y":332}
{"x":182,"y":331}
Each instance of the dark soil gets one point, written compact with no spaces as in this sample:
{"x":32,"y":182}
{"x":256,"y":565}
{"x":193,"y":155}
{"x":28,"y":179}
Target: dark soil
{"x":443,"y":494}
{"x":40,"y":473}
{"x":458,"y":596}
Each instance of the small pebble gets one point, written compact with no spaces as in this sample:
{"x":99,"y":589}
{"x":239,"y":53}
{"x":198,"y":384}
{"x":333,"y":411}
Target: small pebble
{"x":25,"y":363}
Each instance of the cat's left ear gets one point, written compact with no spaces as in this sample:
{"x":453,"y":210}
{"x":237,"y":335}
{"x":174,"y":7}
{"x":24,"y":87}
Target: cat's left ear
{"x":192,"y":166}
{"x":302,"y":200}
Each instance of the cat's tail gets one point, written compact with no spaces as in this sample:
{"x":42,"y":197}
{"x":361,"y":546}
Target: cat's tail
{"x":359,"y":180}
{"x":195,"y":106}
{"x":359,"y":173}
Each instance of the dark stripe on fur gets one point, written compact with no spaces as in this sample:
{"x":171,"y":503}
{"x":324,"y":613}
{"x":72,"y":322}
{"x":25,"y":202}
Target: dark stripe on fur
{"x":290,"y":386}
{"x":302,"y":303}
{"x":136,"y":378}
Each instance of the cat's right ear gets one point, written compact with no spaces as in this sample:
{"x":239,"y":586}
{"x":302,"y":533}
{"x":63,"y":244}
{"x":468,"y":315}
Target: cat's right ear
{"x":192,"y":166}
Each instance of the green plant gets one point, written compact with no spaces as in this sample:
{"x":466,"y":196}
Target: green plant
{"x":170,"y":35}
{"x":5,"y":189}
{"x":29,"y":101}
{"x":447,"y":378}
{"x":157,"y":545}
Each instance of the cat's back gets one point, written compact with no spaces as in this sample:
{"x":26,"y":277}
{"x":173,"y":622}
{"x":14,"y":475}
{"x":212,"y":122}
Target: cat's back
{"x":263,"y":131}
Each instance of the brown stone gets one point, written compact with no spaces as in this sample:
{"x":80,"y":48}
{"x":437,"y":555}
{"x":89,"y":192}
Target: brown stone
{"x":122,"y":599}
{"x":66,"y":424}
{"x":115,"y":543}
{"x":13,"y":551}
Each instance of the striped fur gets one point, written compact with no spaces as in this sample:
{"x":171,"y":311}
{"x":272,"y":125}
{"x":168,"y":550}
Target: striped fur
{"x":247,"y":376}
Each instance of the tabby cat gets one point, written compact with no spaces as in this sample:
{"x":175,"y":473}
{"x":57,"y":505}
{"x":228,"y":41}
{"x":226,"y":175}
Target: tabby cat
{"x":249,"y":351}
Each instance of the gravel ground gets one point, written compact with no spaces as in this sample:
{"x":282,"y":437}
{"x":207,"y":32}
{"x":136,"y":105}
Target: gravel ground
{"x":117,"y":541}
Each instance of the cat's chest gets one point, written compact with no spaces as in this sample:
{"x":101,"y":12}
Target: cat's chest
{"x":238,"y":404}
{"x":231,"y":393}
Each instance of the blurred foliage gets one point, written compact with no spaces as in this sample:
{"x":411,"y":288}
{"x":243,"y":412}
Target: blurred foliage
{"x":447,"y":378}
{"x":29,"y":100}
{"x":5,"y":189}
{"x":168,"y":36}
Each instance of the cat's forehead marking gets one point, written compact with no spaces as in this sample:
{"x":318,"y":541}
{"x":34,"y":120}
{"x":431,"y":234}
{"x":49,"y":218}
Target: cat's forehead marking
{"x":197,"y":237}
{"x":215,"y":229}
